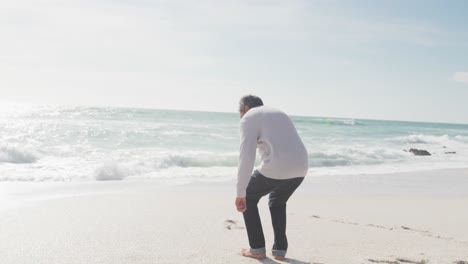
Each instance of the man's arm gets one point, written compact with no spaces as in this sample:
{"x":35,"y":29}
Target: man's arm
{"x":248,"y":148}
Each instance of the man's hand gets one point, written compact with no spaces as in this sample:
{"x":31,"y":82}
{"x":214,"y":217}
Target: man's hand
{"x":241,"y":204}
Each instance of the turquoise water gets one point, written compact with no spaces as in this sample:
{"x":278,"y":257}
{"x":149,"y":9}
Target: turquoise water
{"x":91,"y":143}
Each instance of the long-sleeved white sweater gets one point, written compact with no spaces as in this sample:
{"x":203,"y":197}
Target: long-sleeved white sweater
{"x":282,"y":152}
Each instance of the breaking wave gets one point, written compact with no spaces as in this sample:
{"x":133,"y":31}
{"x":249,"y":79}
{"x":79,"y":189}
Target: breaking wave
{"x":9,"y":154}
{"x":354,"y":156}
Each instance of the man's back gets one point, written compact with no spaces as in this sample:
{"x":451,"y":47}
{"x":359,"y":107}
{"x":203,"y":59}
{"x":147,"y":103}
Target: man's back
{"x":282,"y":152}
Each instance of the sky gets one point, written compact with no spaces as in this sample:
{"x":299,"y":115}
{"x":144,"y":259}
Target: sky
{"x":392,"y":60}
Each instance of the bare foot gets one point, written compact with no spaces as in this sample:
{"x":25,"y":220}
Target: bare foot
{"x":279,"y":257}
{"x":246,"y":253}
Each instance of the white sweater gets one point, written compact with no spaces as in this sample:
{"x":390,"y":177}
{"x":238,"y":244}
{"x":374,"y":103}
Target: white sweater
{"x":282,"y":152}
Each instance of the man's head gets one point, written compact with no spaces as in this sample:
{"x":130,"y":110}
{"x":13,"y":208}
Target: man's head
{"x":247,"y":102}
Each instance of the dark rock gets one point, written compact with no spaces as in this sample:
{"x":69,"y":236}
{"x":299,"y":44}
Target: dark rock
{"x":420,"y":152}
{"x":450,"y":152}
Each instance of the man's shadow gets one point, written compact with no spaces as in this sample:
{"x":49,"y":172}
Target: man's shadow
{"x":287,"y":260}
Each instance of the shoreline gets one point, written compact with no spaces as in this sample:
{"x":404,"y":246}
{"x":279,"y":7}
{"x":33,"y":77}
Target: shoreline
{"x":11,"y":187}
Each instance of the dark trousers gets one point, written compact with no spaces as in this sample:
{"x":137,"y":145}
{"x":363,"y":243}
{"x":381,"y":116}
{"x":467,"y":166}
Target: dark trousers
{"x":280,"y":191}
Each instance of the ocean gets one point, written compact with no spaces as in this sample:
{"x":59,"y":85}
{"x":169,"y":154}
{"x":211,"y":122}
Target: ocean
{"x":52,"y":143}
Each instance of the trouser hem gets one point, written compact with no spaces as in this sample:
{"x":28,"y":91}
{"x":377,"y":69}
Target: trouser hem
{"x":258,"y":250}
{"x":279,"y":253}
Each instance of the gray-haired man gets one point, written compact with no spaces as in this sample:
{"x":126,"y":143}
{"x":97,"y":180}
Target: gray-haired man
{"x":284,"y":165}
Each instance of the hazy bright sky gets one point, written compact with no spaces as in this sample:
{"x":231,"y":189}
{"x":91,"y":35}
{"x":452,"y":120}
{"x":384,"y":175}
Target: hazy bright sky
{"x":400,"y":60}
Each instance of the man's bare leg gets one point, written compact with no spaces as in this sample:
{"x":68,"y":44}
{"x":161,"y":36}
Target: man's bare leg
{"x":246,"y":253}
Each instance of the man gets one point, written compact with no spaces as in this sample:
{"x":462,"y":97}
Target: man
{"x":284,"y":165}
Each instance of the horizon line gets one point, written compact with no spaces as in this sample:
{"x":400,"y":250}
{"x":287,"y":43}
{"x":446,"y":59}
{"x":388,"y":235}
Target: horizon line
{"x":224,"y":112}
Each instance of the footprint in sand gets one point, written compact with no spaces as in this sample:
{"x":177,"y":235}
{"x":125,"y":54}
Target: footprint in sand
{"x":403,"y":260}
{"x":399,"y":261}
{"x":231,"y":224}
{"x":383,"y":261}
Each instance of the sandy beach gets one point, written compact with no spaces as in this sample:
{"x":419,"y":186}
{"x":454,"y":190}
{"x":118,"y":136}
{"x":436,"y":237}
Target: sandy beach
{"x":417,"y":217}
{"x":129,"y":132}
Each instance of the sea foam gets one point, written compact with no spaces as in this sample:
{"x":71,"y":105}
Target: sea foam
{"x":354,"y":156}
{"x":13,"y":154}
{"x":424,"y":139}
{"x":111,"y":171}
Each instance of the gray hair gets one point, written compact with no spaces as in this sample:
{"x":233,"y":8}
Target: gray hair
{"x":251,"y":101}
